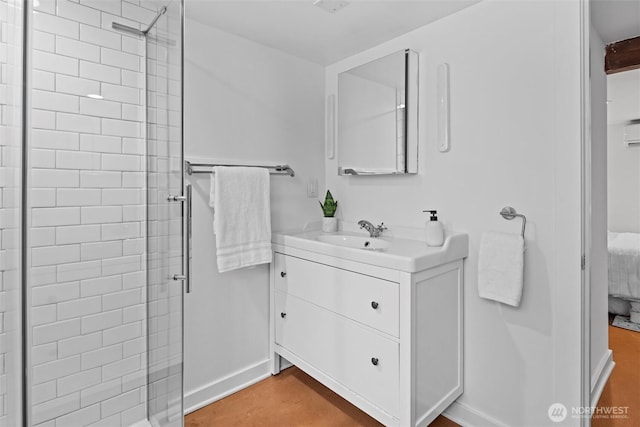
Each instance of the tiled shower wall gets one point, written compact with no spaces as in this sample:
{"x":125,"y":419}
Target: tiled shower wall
{"x":88,"y":359}
{"x":10,"y":136}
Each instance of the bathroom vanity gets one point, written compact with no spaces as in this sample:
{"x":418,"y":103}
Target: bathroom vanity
{"x":381,"y":327}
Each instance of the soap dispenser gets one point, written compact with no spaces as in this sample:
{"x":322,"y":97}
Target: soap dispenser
{"x":434,"y":231}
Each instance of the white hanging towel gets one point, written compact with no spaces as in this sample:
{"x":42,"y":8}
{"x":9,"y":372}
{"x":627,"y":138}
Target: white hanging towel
{"x":501,"y":267}
{"x":242,"y":216}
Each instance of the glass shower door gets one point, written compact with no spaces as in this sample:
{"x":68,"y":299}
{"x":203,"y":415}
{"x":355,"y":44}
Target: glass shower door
{"x":166,"y":209}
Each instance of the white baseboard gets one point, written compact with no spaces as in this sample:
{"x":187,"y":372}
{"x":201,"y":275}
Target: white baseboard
{"x":468,"y":417}
{"x":142,"y":423}
{"x":216,"y":390}
{"x":600,"y":377}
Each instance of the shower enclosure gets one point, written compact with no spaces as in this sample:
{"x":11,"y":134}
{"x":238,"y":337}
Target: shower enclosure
{"x":92,"y":212}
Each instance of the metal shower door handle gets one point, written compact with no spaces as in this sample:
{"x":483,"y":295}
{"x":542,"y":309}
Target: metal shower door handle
{"x":186,"y":239}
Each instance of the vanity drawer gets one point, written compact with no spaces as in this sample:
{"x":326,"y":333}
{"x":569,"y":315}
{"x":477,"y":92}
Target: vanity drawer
{"x":366,"y":299}
{"x":355,"y":356}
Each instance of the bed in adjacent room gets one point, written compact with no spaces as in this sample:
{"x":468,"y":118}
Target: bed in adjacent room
{"x":624,"y":274}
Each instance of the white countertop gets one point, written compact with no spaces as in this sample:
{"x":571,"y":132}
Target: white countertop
{"x":402,"y":254}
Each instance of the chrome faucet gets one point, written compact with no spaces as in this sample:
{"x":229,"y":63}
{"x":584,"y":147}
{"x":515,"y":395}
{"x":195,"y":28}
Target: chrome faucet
{"x":373,"y":231}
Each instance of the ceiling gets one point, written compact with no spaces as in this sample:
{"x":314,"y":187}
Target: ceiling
{"x":616,"y":20}
{"x":306,"y":31}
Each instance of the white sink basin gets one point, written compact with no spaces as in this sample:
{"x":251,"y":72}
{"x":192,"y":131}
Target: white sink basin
{"x":388,"y":251}
{"x":357,"y":242}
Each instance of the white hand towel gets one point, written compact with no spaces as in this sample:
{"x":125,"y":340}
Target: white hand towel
{"x":242,"y":216}
{"x":501,"y":267}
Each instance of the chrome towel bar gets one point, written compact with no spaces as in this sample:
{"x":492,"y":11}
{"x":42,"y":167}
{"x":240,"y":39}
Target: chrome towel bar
{"x":274,"y":170}
{"x":510,"y":213}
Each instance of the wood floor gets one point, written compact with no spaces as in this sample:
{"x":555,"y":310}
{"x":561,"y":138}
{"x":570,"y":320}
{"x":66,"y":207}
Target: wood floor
{"x":291,"y":398}
{"x":623,"y":387}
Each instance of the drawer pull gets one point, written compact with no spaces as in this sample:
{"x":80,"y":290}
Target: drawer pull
{"x":282,"y":274}
{"x":283,"y":315}
{"x":374,"y":305}
{"x":374,"y":361}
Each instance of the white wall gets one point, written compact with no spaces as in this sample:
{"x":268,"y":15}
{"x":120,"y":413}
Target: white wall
{"x":245,"y":103}
{"x":87,"y":276}
{"x":623,"y":182}
{"x":598,"y":255}
{"x":515,"y":140}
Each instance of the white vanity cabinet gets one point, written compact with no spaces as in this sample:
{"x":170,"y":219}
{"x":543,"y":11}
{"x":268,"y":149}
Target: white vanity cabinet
{"x":389,"y":341}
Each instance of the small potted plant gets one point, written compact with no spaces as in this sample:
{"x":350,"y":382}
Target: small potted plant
{"x":329,"y":222}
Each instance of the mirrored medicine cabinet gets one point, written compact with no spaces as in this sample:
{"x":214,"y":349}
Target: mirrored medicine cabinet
{"x":377,"y":116}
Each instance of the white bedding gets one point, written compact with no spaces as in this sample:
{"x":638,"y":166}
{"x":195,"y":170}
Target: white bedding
{"x":624,"y":265}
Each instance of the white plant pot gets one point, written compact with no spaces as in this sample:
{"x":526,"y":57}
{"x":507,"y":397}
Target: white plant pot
{"x":329,"y":224}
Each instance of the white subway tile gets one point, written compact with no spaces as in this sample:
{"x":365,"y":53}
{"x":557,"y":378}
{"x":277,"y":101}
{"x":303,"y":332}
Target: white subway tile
{"x":122,"y":333}
{"x":101,"y":214}
{"x":78,"y":197}
{"x":119,"y":93}
{"x":77,"y":159}
{"x":127,"y":230}
{"x":120,"y":128}
{"x":76,"y":86}
{"x":133,"y":213}
{"x":121,"y":162}
{"x":137,"y":13}
{"x":55,"y":101}
{"x":81,"y":417}
{"x":77,"y":123}
{"x":55,"y":408}
{"x":133,"y":112}
{"x":43,"y":197}
{"x":43,"y":314}
{"x":46,"y":6}
{"x":99,"y":322}
{"x":77,"y":234}
{"x":121,"y":299}
{"x":101,"y":285}
{"x":51,"y":294}
{"x":89,"y":179}
{"x":133,"y":45}
{"x":100,"y":37}
{"x":134,"y":415}
{"x":43,"y":41}
{"x":78,"y":13}
{"x":102,"y":73}
{"x":113,"y":420}
{"x":135,"y":346}
{"x":43,"y":392}
{"x":117,"y":58}
{"x":132,"y":179}
{"x":77,"y":382}
{"x":77,"y":49}
{"x":43,"y":236}
{"x":55,"y":332}
{"x":132,"y":79}
{"x":121,"y":196}
{"x":133,"y":246}
{"x":54,"y":139}
{"x":47,"y":178}
{"x":101,"y":356}
{"x":134,"y":313}
{"x":44,"y":80}
{"x":46,"y":61}
{"x":89,"y":251}
{"x":101,"y":143}
{"x":78,"y":271}
{"x":109,"y":6}
{"x":43,"y":158}
{"x":100,"y":108}
{"x":42,"y":119}
{"x":54,"y":255}
{"x":81,"y":343}
{"x":119,"y":403}
{"x":56,"y":25}
{"x":43,"y":276}
{"x":48,"y":217}
{"x":44,"y":353}
{"x":134,"y":380}
{"x":133,"y":280}
{"x":101,"y":392}
{"x":121,"y":367}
